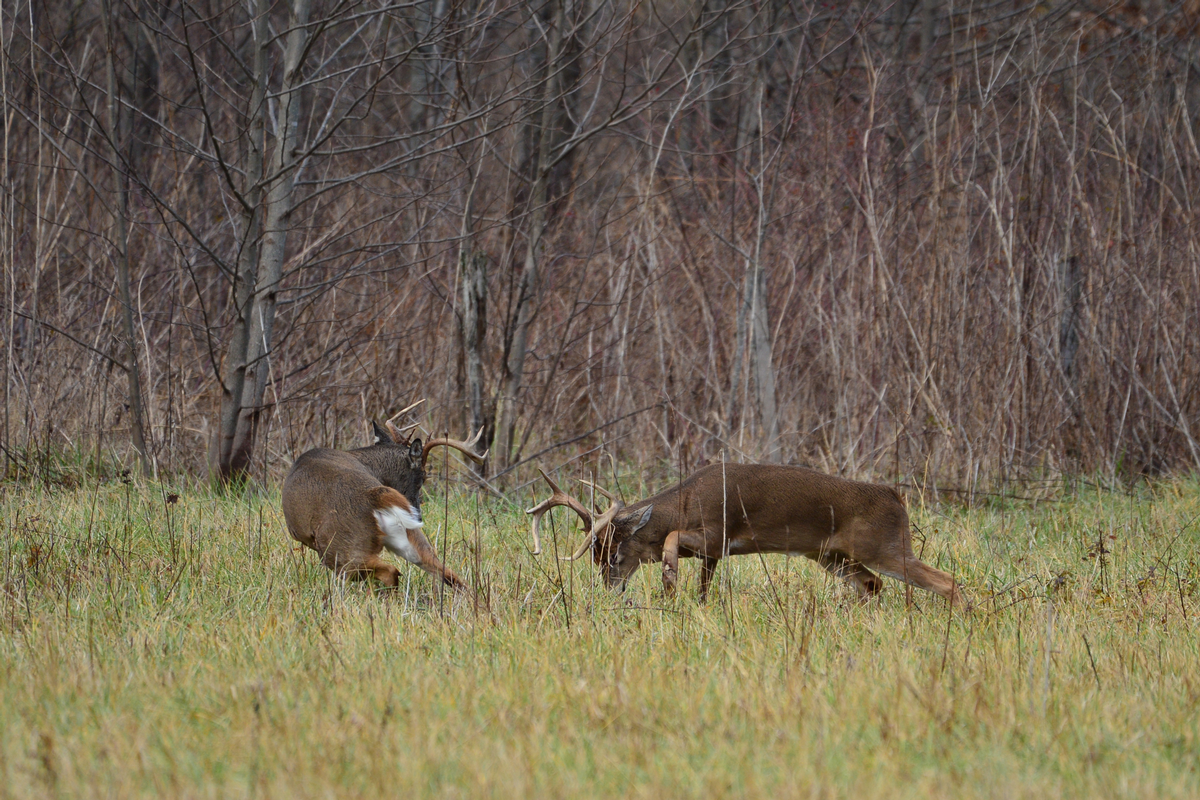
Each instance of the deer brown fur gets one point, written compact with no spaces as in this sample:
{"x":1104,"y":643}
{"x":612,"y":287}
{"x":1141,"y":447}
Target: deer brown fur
{"x":849,"y":528}
{"x":350,"y":505}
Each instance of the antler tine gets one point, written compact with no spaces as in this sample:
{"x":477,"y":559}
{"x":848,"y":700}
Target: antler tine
{"x":466,"y":447}
{"x":583,"y":548}
{"x":601,"y":523}
{"x":406,"y":410}
{"x":557,"y":498}
{"x":400,"y":435}
{"x":597,"y":489}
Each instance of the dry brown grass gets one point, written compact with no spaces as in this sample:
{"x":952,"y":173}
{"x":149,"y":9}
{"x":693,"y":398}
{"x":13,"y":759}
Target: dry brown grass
{"x":190,"y":650}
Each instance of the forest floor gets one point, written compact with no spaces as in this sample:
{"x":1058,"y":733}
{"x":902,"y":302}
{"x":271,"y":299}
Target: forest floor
{"x":164,"y":641}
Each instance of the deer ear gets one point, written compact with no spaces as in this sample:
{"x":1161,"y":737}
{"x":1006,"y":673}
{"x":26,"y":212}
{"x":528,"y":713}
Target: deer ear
{"x":415,"y":452}
{"x":381,"y":433}
{"x":645,"y":518}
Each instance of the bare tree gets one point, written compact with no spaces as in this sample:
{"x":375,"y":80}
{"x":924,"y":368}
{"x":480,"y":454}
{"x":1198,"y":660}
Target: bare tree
{"x":267,"y":212}
{"x":947,"y":242}
{"x":529,"y":285}
{"x":120,"y":137}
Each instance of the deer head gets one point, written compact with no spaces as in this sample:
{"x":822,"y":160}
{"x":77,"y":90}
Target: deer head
{"x":610,"y":535}
{"x":399,"y":460}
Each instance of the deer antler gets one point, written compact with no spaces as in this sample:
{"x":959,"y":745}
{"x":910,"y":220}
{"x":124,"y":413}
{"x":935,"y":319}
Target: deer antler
{"x":603,"y":521}
{"x":467,"y":448}
{"x":398,"y":434}
{"x":597,"y":489}
{"x":561,"y":498}
{"x":558,"y":498}
{"x":406,"y":410}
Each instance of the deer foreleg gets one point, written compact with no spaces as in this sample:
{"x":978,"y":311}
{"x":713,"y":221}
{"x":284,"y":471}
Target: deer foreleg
{"x":387,"y":574}
{"x":670,"y":561}
{"x":400,"y":532}
{"x":916,"y":573}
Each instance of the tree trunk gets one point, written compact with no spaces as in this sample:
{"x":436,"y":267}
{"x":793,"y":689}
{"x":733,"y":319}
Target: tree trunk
{"x":734,"y":413}
{"x":527,"y":296}
{"x":274,"y":242}
{"x":756,"y":282}
{"x":221,"y":462}
{"x":474,"y":328}
{"x":528,"y":290}
{"x":753,"y":325}
{"x":761,"y":361}
{"x":118,"y":142}
{"x":260,"y":268}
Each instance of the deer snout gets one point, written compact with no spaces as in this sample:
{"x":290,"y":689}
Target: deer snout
{"x":614,"y":579}
{"x":612,"y":576}
{"x":622,"y":563}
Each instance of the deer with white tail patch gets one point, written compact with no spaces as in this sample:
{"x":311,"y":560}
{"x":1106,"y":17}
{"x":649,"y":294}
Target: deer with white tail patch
{"x":350,"y":505}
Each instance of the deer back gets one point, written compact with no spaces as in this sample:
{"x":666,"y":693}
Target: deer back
{"x":762,"y":508}
{"x":792,"y":502}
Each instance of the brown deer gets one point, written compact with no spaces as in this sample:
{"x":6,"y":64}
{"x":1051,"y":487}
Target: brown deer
{"x":348,"y":505}
{"x":848,"y":527}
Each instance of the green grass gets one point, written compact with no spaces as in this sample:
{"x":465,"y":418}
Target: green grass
{"x":187,"y":649}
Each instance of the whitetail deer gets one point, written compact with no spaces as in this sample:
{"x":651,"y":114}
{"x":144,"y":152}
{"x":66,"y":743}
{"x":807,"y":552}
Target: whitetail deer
{"x":848,"y":527}
{"x":349,"y":505}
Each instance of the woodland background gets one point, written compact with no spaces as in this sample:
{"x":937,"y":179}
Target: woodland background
{"x":949,"y":243}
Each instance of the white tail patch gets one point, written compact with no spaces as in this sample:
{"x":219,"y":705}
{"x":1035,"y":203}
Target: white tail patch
{"x":395,"y":522}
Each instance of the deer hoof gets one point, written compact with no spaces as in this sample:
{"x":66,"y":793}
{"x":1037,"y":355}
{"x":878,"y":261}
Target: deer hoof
{"x":669,"y":579}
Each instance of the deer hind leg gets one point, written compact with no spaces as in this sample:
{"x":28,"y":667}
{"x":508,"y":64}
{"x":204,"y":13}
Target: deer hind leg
{"x":706,"y":575}
{"x":358,"y":569}
{"x":401,"y":534}
{"x":429,"y":562}
{"x":865,"y":582}
{"x":911,"y":570}
{"x":387,"y":573}
{"x":346,"y":555}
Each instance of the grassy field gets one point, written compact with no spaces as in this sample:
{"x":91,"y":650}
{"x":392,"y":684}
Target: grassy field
{"x":166,"y":642}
